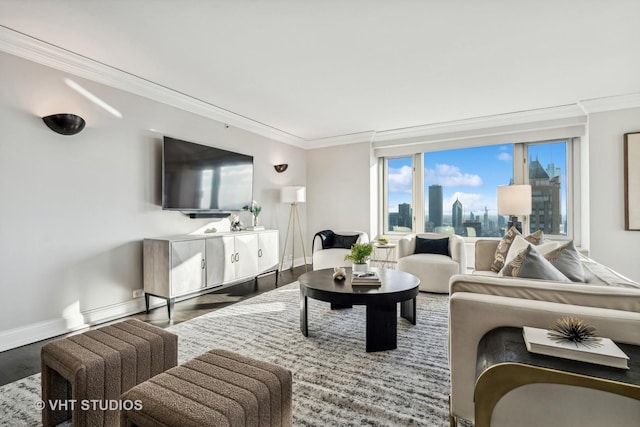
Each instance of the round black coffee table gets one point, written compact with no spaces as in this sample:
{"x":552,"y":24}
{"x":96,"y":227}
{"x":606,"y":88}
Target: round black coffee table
{"x":381,"y":301}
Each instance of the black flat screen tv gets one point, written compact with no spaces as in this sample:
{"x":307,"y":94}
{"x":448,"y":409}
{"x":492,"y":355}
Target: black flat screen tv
{"x":202,"y":179}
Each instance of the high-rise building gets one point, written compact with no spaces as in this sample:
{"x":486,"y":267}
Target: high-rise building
{"x":552,"y":170}
{"x":393,"y":220}
{"x":457,"y":213}
{"x":545,"y":199}
{"x":404,"y":215}
{"x":485,"y":222}
{"x":435,"y":205}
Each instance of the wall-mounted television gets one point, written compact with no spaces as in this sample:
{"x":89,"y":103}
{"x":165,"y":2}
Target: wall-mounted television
{"x":199,"y":179}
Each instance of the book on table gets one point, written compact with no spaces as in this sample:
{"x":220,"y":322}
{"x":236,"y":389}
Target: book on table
{"x":369,"y":278}
{"x":602,"y":352}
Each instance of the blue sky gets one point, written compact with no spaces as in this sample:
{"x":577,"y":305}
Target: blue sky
{"x":469,"y":174}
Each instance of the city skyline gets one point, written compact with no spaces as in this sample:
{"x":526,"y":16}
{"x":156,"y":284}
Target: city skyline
{"x":470,"y":175}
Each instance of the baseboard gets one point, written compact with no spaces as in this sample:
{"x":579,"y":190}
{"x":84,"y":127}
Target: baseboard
{"x":35,"y":332}
{"x":29,"y":334}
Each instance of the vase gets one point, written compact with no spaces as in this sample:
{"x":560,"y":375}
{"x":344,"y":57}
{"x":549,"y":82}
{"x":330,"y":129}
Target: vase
{"x":255,"y":221}
{"x":360,"y":267}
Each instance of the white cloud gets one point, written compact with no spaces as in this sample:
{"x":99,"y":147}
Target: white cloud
{"x":451,"y":176}
{"x":505,"y":157}
{"x":400,"y":179}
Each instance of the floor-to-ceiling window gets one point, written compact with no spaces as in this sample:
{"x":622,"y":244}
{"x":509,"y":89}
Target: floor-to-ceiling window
{"x":458,"y":189}
{"x":398,"y":198}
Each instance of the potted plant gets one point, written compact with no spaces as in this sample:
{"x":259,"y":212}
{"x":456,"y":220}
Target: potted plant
{"x":359,"y":256}
{"x":255,"y":210}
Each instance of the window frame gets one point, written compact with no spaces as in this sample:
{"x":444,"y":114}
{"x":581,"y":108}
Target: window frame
{"x":520,"y":176}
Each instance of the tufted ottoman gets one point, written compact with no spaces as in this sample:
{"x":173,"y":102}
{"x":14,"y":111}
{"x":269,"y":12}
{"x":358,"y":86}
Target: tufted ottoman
{"x":218,"y":388}
{"x":84,"y":375}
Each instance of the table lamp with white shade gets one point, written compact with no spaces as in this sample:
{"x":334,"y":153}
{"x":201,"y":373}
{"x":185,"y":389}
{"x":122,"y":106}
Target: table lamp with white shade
{"x":293,"y":195}
{"x":514,"y":200}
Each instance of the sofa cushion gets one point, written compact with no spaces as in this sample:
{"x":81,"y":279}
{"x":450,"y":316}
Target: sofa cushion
{"x":567,"y":259}
{"x":432,"y":246}
{"x":598,"y":274}
{"x":504,"y":245}
{"x":531,"y":264}
{"x":434,"y":271}
{"x":520,"y":244}
{"x":343,"y":242}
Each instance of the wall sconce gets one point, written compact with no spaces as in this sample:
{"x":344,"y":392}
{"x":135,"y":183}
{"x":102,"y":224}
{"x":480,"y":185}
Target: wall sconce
{"x":281,"y":168}
{"x":64,"y":124}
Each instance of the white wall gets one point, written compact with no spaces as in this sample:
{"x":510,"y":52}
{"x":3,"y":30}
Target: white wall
{"x":610,"y":244}
{"x":74,"y":209}
{"x":341,"y":191}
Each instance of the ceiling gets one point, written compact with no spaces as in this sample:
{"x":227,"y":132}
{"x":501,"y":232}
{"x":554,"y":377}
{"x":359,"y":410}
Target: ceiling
{"x":329,"y":69}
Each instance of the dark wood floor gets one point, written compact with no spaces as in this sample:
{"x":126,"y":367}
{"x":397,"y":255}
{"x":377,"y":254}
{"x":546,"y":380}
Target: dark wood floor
{"x":24,"y":361}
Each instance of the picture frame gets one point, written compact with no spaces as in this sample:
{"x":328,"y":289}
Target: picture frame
{"x":632,"y":181}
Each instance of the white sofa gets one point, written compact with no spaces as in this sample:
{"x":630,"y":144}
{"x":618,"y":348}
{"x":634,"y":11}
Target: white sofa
{"x":433,"y":270}
{"x":329,"y":257}
{"x":481,"y":302}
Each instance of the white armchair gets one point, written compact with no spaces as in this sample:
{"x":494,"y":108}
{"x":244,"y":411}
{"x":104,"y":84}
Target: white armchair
{"x":329,"y":247}
{"x":433,"y":269}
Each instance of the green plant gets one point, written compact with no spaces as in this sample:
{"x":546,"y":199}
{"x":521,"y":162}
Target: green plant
{"x":255,"y":209}
{"x":360,"y":253}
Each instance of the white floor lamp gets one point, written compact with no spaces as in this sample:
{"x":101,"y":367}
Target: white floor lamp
{"x":293,"y":195}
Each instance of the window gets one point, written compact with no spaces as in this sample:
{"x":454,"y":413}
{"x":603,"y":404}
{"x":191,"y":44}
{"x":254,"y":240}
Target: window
{"x":456,"y":193}
{"x":399,"y":194}
{"x":547,"y":177}
{"x":460,"y":189}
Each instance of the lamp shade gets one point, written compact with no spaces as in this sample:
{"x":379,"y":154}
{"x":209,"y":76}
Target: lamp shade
{"x":514,"y":200}
{"x":293,"y":194}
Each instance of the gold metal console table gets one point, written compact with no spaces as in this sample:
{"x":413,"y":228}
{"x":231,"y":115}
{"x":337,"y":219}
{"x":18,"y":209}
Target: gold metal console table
{"x":504,"y":364}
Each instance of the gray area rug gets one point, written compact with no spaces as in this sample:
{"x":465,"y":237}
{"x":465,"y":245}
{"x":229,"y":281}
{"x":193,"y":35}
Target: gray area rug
{"x":335,"y":382}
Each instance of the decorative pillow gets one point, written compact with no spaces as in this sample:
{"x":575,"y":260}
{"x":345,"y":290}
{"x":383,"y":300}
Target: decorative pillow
{"x":344,"y":242}
{"x":326,"y":237}
{"x":567,"y":259}
{"x":520,"y":243}
{"x":504,"y":245}
{"x":503,"y":249}
{"x":432,"y":246}
{"x":537,"y":237}
{"x":531,"y":264}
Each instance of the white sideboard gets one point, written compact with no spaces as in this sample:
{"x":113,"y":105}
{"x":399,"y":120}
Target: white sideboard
{"x":175,"y":266}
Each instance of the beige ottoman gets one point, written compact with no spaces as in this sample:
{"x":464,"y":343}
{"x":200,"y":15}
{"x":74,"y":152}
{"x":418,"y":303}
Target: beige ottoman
{"x":84,"y":375}
{"x":218,"y":388}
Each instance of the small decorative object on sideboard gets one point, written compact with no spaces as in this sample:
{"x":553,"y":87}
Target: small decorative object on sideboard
{"x":573,"y":338}
{"x":236,"y":225}
{"x":255,"y":210}
{"x":339,"y":273}
{"x":359,"y":255}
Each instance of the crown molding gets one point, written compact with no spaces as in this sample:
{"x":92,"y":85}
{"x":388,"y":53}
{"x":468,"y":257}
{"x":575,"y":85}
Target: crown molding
{"x":35,"y":50}
{"x":333,"y":141}
{"x":500,"y":121}
{"x":41,"y":52}
{"x":610,"y":103}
